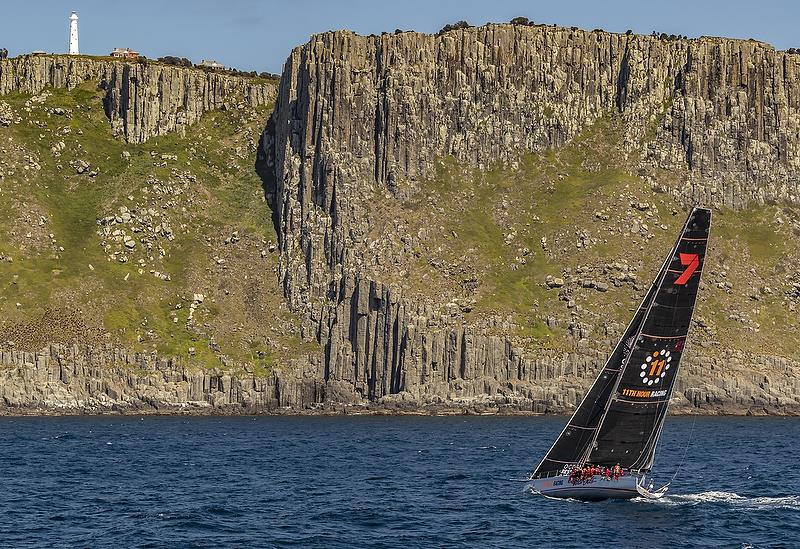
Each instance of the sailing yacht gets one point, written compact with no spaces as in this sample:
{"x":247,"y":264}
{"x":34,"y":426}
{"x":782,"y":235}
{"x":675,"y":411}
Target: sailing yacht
{"x":619,"y":421}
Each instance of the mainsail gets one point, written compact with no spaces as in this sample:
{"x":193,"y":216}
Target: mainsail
{"x":620,"y":418}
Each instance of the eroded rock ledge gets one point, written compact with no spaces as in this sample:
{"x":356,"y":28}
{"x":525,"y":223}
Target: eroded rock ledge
{"x":85,"y":380}
{"x":61,"y":379}
{"x":142,"y":100}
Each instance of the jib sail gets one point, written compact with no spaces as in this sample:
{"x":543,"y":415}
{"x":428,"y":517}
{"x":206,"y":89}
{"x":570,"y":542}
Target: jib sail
{"x":630,"y":428}
{"x":574,"y":442}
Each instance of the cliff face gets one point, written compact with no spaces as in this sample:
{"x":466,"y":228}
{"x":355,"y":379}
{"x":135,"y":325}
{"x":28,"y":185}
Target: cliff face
{"x":128,"y":230}
{"x":143,"y":100}
{"x":726,"y":113}
{"x":85,"y":380}
{"x":357,"y":117}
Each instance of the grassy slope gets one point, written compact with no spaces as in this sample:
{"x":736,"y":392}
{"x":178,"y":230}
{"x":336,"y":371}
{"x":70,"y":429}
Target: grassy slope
{"x":207,"y":194}
{"x":490,"y":226}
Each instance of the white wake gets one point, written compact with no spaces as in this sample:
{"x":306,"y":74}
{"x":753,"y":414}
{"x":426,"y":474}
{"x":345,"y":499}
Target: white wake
{"x":731,"y":499}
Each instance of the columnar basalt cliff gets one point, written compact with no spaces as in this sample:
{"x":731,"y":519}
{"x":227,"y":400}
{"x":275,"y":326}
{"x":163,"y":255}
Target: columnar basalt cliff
{"x":384,"y":108}
{"x":359,"y":117}
{"x":143,"y":100}
{"x":77,"y":379}
{"x":463,"y":222}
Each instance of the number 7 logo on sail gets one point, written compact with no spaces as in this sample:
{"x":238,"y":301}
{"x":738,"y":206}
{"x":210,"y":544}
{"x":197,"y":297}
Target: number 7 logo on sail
{"x":691,"y":262}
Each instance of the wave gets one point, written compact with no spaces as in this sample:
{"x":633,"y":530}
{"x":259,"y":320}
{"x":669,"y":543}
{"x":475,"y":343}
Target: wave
{"x":731,"y":499}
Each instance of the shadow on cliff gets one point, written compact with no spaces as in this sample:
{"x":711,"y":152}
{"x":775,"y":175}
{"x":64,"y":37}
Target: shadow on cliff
{"x":265,"y":168}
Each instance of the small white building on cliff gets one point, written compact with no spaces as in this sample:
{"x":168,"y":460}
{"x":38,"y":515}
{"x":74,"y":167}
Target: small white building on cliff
{"x":211,"y":63}
{"x":124,"y":53}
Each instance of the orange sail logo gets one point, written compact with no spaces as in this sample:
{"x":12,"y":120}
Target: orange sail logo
{"x":655,"y":366}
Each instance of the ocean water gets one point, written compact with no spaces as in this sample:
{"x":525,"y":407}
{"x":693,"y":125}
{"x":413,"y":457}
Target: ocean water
{"x":377,"y":482}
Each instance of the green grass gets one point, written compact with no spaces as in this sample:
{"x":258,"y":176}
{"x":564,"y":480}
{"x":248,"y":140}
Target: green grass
{"x":754,"y":251}
{"x":137,"y":310}
{"x":538,"y":194}
{"x":756,"y":230}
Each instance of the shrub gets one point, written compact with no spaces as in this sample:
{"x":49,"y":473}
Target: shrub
{"x":172,"y":60}
{"x":520,"y":21}
{"x":454,"y":26}
{"x":3,"y":53}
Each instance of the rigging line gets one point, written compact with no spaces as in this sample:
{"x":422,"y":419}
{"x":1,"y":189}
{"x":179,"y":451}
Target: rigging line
{"x":654,"y":436}
{"x":678,"y":336}
{"x":656,"y":287}
{"x":685,"y":450}
{"x":694,"y":419}
{"x":696,"y":271}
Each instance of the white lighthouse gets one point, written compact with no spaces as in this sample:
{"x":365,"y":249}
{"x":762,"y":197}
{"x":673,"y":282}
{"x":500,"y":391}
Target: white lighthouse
{"x":73,"y":34}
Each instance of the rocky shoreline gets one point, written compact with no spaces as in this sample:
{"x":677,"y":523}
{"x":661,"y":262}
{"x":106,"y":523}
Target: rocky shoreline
{"x":75,"y":380}
{"x":196,"y":410}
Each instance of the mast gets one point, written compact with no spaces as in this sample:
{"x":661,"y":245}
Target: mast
{"x":631,"y":424}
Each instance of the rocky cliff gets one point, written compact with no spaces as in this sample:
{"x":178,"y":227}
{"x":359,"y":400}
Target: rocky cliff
{"x":725,"y":113}
{"x":77,"y":379}
{"x":359,"y":131}
{"x":142,"y":100}
{"x":463,"y":221}
{"x":113,"y":253}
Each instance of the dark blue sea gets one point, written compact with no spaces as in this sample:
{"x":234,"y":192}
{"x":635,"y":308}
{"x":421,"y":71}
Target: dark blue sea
{"x":377,"y":482}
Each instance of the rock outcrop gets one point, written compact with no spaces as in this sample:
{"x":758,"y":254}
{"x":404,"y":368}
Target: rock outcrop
{"x":76,"y":379}
{"x":357,"y":115}
{"x":725,"y":112}
{"x":142,"y":100}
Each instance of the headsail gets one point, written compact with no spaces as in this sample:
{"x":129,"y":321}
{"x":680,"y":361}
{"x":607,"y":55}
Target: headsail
{"x":575,"y":439}
{"x":630,"y":429}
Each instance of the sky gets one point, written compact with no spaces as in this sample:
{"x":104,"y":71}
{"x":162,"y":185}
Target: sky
{"x":258,"y":35}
